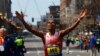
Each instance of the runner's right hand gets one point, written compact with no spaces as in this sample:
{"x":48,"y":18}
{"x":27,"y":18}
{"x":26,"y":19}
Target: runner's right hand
{"x":20,"y":16}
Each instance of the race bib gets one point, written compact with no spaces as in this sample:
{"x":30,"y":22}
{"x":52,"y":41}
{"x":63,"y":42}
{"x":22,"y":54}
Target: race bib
{"x":1,"y":48}
{"x":53,"y":50}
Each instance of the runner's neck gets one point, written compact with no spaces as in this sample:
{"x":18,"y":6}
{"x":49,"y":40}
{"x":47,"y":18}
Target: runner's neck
{"x":52,"y":33}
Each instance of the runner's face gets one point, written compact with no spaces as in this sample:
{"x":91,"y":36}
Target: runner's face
{"x":51,"y":24}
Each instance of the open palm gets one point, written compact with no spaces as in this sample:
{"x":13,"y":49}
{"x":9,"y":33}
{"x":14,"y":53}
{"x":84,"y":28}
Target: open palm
{"x":20,"y":15}
{"x":83,"y":13}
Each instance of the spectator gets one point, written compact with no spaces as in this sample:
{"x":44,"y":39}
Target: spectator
{"x":6,"y":43}
{"x":19,"y":41}
{"x":92,"y":41}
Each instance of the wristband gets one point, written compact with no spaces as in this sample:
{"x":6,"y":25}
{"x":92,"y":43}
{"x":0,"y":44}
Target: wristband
{"x":78,"y":17}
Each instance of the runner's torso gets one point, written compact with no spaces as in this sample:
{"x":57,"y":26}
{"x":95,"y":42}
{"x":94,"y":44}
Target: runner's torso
{"x":53,"y":45}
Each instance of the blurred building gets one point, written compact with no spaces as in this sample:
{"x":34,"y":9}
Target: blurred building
{"x":5,"y":8}
{"x":55,"y":12}
{"x":41,"y":25}
{"x":71,"y":8}
{"x":6,"y":18}
{"x":5,"y":12}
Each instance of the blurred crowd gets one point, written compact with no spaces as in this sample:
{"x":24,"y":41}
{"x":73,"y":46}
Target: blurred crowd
{"x":84,"y":42}
{"x":11,"y":44}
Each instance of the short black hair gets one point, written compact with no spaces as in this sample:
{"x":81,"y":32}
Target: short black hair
{"x":52,"y":19}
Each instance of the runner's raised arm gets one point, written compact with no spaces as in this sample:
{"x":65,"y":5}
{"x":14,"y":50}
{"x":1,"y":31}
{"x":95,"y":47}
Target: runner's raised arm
{"x":20,"y":16}
{"x":67,"y":30}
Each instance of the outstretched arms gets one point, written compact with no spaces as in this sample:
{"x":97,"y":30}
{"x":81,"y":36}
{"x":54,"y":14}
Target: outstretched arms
{"x":67,"y":30}
{"x":20,"y":16}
